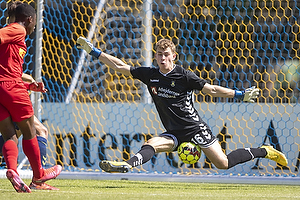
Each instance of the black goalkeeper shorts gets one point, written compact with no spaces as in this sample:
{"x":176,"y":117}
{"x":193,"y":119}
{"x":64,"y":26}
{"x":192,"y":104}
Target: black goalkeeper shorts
{"x":200,"y":135}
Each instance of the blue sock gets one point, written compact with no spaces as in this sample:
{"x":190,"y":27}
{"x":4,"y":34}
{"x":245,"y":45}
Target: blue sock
{"x":1,"y":143}
{"x":43,"y":150}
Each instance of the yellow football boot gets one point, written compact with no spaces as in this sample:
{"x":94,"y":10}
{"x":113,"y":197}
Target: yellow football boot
{"x":275,"y":155}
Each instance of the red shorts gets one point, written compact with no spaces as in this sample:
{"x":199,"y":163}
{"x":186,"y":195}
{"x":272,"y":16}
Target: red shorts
{"x":14,"y":101}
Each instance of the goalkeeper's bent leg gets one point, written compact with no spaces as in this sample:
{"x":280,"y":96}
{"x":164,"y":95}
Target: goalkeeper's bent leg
{"x":144,"y":155}
{"x":239,"y":156}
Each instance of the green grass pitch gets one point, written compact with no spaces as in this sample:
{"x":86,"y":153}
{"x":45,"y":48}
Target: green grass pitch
{"x":143,"y":190}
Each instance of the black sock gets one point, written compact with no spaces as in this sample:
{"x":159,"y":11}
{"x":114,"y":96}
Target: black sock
{"x":141,"y":157}
{"x":1,"y":143}
{"x":239,"y":156}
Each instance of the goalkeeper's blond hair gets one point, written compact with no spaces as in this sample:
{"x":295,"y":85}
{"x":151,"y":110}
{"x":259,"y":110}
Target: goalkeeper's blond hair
{"x":164,"y":44}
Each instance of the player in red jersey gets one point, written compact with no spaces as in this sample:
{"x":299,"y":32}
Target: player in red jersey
{"x":31,"y":84}
{"x":15,"y":104}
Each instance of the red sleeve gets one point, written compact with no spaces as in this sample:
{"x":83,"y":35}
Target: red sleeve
{"x":12,"y":33}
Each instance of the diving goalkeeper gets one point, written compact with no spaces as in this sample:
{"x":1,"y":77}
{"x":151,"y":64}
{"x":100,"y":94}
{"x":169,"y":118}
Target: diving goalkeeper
{"x":171,"y":88}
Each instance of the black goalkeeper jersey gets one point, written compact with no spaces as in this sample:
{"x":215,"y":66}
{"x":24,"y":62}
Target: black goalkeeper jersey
{"x":173,"y":95}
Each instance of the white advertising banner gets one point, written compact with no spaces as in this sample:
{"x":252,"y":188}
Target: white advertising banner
{"x":83,"y":134}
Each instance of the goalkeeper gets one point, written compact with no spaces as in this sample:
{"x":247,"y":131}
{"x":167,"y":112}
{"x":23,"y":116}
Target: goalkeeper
{"x":171,"y":88}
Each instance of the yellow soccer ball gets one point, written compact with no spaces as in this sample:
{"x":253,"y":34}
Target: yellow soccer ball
{"x":189,"y":153}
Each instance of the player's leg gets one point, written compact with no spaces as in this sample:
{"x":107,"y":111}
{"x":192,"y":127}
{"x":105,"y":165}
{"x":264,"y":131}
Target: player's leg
{"x":212,"y":149}
{"x":216,"y":155}
{"x":18,"y":133}
{"x":30,"y":145}
{"x":149,"y":148}
{"x":31,"y":150}
{"x":242,"y":155}
{"x":10,"y":153}
{"x":10,"y":149}
{"x":42,"y":136}
{"x":147,"y":151}
{"x":22,"y":113}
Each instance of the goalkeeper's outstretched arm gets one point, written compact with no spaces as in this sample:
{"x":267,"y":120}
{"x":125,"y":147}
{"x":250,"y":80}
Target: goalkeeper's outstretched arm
{"x":115,"y":63}
{"x":249,"y":95}
{"x":111,"y":61}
